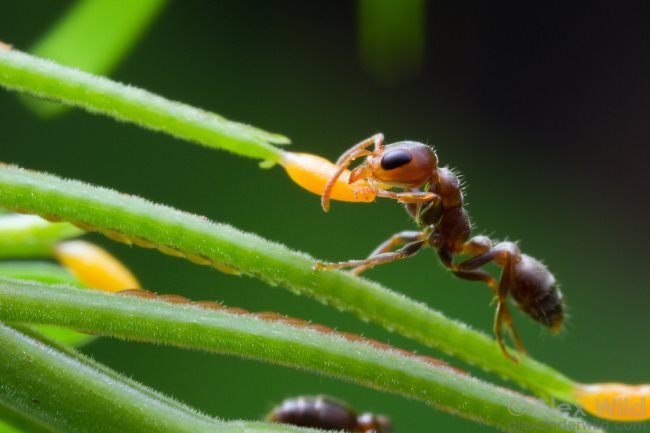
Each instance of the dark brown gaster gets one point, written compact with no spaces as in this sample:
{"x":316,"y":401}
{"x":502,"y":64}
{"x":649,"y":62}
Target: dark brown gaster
{"x":327,"y":414}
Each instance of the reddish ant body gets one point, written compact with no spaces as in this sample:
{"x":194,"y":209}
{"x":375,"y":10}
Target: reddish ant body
{"x":433,"y":197}
{"x":327,"y":414}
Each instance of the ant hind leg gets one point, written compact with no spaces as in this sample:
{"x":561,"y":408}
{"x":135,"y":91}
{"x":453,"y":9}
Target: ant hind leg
{"x":503,"y":312}
{"x":470,"y":273}
{"x":507,"y":320}
{"x":504,"y":255}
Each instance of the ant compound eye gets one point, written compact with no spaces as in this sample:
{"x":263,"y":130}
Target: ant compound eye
{"x":395,"y":158}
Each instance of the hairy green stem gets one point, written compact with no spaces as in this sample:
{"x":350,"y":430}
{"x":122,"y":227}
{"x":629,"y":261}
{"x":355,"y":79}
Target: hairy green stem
{"x":45,"y":79}
{"x":70,"y":393}
{"x":132,"y":219}
{"x":279,"y":343}
{"x":49,"y":273}
{"x":15,"y":421}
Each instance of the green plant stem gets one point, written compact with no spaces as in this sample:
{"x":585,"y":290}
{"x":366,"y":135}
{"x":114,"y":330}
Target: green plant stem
{"x":45,"y":79}
{"x":49,"y":273}
{"x":67,"y":391}
{"x":250,"y":337}
{"x":13,"y":421}
{"x":28,"y":236}
{"x":129,"y":218}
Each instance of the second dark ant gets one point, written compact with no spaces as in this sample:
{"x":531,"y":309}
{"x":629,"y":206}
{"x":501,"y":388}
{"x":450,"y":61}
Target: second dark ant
{"x":434,"y":199}
{"x":327,"y":414}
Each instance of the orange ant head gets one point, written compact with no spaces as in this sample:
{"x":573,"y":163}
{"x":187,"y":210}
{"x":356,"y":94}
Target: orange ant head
{"x":405,"y":164}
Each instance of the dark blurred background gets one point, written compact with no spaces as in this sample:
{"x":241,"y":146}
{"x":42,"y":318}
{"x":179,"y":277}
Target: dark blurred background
{"x":543,"y":107}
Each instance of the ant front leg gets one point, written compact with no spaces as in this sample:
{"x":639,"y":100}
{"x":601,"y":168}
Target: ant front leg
{"x":505,"y":255}
{"x":407,"y":250}
{"x":377,"y":140}
{"x":344,"y":161}
{"x":397,"y":239}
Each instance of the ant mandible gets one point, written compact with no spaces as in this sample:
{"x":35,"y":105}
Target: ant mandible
{"x":433,"y":197}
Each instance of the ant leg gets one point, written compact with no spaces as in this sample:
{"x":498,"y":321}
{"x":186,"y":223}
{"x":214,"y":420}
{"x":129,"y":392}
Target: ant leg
{"x":498,"y":325}
{"x":502,"y":312}
{"x":475,"y":246}
{"x":507,"y":319}
{"x":345,"y":160}
{"x":329,"y":186}
{"x":409,"y":196}
{"x":504,"y":254}
{"x":501,"y":254}
{"x":400,"y":238}
{"x":407,"y":250}
{"x":377,"y":140}
{"x":474,"y":275}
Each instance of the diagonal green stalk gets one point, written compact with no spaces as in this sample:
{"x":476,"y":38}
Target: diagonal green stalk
{"x":45,"y":79}
{"x":29,"y":236}
{"x":129,"y":218}
{"x":49,"y":273}
{"x":68,"y":392}
{"x":15,"y":421}
{"x":279,"y":343}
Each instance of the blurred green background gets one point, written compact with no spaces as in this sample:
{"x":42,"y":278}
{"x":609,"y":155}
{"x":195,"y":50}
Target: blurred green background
{"x":542,"y":107}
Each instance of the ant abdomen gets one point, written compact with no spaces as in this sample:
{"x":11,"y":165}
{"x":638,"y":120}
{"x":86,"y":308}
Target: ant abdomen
{"x":327,"y":414}
{"x":317,"y":412}
{"x":537,"y":293}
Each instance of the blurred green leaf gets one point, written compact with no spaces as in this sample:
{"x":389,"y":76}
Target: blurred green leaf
{"x":391,"y":37}
{"x":94,"y":36}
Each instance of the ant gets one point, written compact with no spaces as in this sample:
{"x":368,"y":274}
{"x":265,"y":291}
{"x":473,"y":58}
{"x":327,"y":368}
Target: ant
{"x":327,"y":414}
{"x":433,"y":197}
